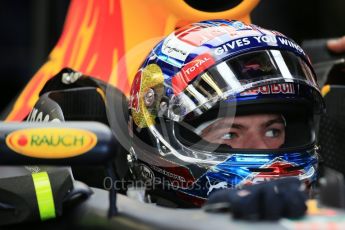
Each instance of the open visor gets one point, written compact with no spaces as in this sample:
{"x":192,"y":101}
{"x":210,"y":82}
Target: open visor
{"x":216,"y":131}
{"x":228,"y":79}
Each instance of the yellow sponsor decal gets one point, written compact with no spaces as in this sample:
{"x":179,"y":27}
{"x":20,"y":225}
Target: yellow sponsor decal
{"x":325,"y":90}
{"x":152,"y":78}
{"x":51,"y":143}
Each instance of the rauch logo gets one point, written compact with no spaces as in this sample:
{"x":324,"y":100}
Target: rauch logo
{"x":51,"y":143}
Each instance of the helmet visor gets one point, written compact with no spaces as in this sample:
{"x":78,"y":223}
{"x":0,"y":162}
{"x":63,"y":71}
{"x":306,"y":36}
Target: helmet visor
{"x":232,"y":77}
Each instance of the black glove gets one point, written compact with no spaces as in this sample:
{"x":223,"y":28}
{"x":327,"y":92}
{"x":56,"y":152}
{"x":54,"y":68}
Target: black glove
{"x":266,"y":201}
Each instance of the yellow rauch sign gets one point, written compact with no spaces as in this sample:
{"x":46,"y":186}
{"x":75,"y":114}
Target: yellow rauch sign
{"x":51,"y":142}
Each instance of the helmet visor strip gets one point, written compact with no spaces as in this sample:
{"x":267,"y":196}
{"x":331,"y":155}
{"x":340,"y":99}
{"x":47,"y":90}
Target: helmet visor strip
{"x":234,"y":76}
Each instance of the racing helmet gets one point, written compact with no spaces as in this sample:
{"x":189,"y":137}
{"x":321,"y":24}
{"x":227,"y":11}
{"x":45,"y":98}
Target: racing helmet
{"x":204,"y":73}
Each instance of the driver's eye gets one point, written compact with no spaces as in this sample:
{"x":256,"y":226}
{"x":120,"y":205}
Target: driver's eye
{"x":272,"y":133}
{"x":229,"y":136}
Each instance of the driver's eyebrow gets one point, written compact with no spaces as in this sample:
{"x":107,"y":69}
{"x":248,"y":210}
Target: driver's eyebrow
{"x":273,"y":121}
{"x":237,"y":126}
{"x":228,"y":124}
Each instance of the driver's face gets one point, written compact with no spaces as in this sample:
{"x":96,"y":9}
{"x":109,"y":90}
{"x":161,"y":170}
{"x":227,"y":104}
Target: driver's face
{"x":260,"y":131}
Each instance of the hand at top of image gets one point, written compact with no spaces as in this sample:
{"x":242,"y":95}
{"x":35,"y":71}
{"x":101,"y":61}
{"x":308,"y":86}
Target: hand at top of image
{"x":336,"y":45}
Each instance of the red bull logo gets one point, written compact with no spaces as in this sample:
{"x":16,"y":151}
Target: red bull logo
{"x":274,"y":170}
{"x":283,"y":88}
{"x":134,"y":96}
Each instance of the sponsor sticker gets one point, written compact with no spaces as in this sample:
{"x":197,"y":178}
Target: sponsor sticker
{"x":176,"y":48}
{"x":215,"y":185}
{"x":283,"y":88}
{"x":146,"y":173}
{"x":178,"y":176}
{"x":267,"y":40}
{"x":190,"y":71}
{"x":51,"y":143}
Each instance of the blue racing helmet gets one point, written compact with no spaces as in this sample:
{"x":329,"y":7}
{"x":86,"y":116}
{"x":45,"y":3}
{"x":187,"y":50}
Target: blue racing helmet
{"x":202,"y":97}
